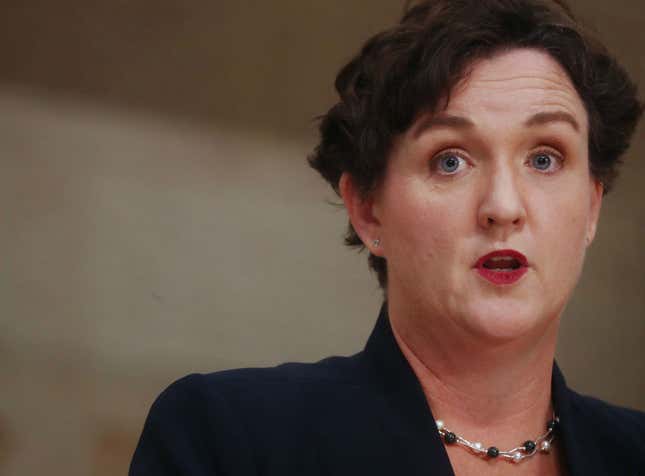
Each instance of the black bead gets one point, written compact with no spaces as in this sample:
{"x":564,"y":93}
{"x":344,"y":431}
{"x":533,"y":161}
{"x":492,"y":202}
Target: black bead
{"x":529,"y":446}
{"x":492,"y":452}
{"x":551,"y":425}
{"x":450,"y":437}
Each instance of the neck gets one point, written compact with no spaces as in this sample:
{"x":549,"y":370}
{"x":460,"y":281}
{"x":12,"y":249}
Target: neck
{"x":495,"y":392}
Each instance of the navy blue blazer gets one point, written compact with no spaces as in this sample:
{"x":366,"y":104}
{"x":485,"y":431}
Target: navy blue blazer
{"x":359,"y":415}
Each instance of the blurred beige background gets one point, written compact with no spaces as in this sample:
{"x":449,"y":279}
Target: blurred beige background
{"x":157,"y":216}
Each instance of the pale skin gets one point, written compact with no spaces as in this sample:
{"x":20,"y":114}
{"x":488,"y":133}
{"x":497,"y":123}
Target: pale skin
{"x":460,"y":183}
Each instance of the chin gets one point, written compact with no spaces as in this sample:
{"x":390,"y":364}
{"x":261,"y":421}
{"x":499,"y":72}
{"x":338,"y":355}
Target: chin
{"x":505,"y":321}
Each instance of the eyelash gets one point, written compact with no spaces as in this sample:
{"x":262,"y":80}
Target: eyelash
{"x":552,"y":154}
{"x":555,"y":157}
{"x":444,"y":154}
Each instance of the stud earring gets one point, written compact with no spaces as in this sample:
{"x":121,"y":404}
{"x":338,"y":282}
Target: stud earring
{"x":376,"y":243}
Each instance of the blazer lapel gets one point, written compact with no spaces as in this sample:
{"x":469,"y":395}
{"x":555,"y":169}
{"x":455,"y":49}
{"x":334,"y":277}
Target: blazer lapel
{"x":415,"y":441}
{"x":578,"y":433}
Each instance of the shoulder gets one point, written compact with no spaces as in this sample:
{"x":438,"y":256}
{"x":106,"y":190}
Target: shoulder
{"x":219,"y":419}
{"x":291,"y":397}
{"x":617,"y":432}
{"x":286,"y":379}
{"x":330,"y":369}
{"x":196,"y":391}
{"x":618,"y":418}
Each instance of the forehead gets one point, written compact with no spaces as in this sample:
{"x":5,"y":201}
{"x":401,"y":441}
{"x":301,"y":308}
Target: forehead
{"x":518,"y":82}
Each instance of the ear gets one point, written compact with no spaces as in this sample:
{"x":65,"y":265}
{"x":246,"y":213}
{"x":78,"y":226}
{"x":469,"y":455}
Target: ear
{"x":595,"y":203}
{"x":361,"y":214}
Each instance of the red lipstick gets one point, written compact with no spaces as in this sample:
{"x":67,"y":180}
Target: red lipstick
{"x":502,"y":267}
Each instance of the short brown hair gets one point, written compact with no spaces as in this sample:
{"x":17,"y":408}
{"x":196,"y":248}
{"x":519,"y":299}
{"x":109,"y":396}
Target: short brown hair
{"x":412,"y":67}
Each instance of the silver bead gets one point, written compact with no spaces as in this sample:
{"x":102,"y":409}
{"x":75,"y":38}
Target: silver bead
{"x":517,"y":457}
{"x":478,"y":446}
{"x":545,"y":446}
{"x":440,"y":424}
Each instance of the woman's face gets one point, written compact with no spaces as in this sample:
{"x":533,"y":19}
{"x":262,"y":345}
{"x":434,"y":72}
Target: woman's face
{"x":503,"y":167}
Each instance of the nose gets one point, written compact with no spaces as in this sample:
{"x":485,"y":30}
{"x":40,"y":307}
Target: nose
{"x":502,"y":205}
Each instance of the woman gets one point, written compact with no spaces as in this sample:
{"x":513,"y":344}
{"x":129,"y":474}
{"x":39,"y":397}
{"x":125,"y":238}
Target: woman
{"x":472,"y":145}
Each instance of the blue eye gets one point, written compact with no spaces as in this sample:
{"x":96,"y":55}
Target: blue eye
{"x":449,"y":163}
{"x":541,"y":161}
{"x":545,"y":162}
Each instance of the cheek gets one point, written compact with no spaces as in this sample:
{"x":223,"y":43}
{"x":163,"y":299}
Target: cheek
{"x":563,"y":238}
{"x":425,"y":226}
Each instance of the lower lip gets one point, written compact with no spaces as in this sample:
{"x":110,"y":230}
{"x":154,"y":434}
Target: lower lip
{"x":502,"y":277}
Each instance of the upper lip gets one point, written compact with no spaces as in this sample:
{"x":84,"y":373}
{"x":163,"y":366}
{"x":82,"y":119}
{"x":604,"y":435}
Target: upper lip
{"x":506,"y":253}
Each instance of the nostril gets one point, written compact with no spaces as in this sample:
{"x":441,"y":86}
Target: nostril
{"x":491,"y":221}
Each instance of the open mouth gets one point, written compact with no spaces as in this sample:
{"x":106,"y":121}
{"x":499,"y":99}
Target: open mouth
{"x":502,"y":260}
{"x":502,"y":267}
{"x":502,"y":263}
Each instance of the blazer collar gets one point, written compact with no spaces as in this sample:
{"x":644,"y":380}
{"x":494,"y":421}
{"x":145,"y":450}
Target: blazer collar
{"x":578,"y":433}
{"x":409,"y":417}
{"x":412,"y":419}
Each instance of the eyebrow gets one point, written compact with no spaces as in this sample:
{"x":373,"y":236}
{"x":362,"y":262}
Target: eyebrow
{"x":459,"y":122}
{"x":542,"y":118}
{"x":444,"y":120}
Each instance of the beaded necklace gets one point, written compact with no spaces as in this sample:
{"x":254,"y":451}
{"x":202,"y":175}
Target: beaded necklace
{"x":530,"y":447}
